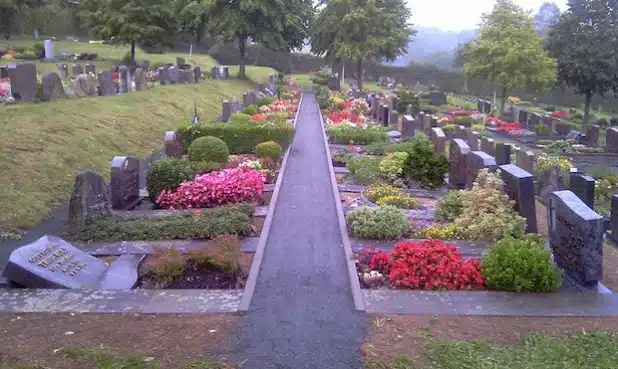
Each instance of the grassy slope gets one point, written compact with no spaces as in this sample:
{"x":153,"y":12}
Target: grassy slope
{"x":45,"y":145}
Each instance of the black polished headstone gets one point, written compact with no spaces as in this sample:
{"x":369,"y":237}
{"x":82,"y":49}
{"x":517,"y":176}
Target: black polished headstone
{"x":124,"y":182}
{"x":90,"y":198}
{"x":503,"y":153}
{"x":583,"y":187}
{"x":476,"y":161}
{"x":519,"y":185}
{"x":458,"y":158}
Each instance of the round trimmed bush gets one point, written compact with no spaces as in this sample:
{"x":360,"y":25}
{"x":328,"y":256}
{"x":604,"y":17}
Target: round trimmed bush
{"x":269,"y":149}
{"x":265,"y":101}
{"x":239,"y":118}
{"x":208,"y":148}
{"x":384,"y":222}
{"x":521,"y":265}
{"x":251,"y":109}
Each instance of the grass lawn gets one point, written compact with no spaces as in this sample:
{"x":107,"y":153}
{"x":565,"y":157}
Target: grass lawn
{"x":304,"y":80}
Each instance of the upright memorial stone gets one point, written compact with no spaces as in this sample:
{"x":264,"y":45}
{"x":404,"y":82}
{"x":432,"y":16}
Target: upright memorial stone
{"x":613,"y":219}
{"x":592,"y":134}
{"x":486,"y":107}
{"x":91,"y":69}
{"x":180,"y":61}
{"x":426,"y":127}
{"x":23,"y":81}
{"x":197,"y":74}
{"x":477,"y":160}
{"x":124,"y":181}
{"x":214,"y":73}
{"x":438,"y":139}
{"x":437,"y":98}
{"x":164,"y":75}
{"x":460,"y":132}
{"x":375,"y":109}
{"x":90,"y":198}
{"x":533,"y":120}
{"x":173,"y":146}
{"x":83,"y":86}
{"x":472,"y":137}
{"x":51,"y":87}
{"x":458,"y":158}
{"x":225,"y":72}
{"x":140,"y":80}
{"x":583,"y":187}
{"x":64,"y":70}
{"x":226,"y":108}
{"x":487,"y":146}
{"x":106,"y":86}
{"x":49,"y":50}
{"x":173,"y":74}
{"x":124,"y":80}
{"x":525,"y":160}
{"x":394,"y":118}
{"x":407,"y":127}
{"x":562,"y":129}
{"x":576,"y":237}
{"x":503,"y":153}
{"x":186,"y":76}
{"x":611,"y":140}
{"x":519,"y":185}
{"x":523,"y":117}
{"x":77,"y":69}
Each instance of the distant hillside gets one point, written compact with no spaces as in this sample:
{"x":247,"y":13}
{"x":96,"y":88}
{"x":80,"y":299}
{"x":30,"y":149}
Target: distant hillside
{"x":434,"y":46}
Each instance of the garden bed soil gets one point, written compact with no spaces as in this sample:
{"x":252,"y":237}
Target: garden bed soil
{"x":396,"y":335}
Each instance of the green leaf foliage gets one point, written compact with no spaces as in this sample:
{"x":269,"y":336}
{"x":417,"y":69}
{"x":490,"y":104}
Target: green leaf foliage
{"x":383,"y":222}
{"x":208,"y":148}
{"x":169,"y":173}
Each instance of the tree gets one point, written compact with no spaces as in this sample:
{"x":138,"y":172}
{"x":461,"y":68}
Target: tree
{"x":585,"y":41}
{"x":508,"y":52}
{"x":546,"y":17}
{"x":191,"y":18}
{"x":148,"y":23}
{"x":278,"y":25}
{"x":10,"y":11}
{"x":362,"y":29}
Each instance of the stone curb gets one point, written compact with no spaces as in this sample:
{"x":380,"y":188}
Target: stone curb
{"x":245,"y":301}
{"x":343,"y":229}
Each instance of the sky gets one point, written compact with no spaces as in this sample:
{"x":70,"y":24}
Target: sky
{"x":457,"y":15}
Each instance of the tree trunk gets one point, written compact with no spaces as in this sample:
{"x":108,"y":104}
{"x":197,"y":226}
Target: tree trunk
{"x":359,"y":74}
{"x":502,"y":102}
{"x":133,"y":51}
{"x":587,"y":107}
{"x":242,"y":39}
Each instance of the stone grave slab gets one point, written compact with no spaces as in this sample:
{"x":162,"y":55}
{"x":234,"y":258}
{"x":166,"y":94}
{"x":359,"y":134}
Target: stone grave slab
{"x":457,"y":174}
{"x":613,"y":218}
{"x":173,"y":146}
{"x":100,"y":249}
{"x":476,"y":161}
{"x":583,"y":187}
{"x":611,"y":140}
{"x":460,"y":132}
{"x":90,"y":198}
{"x":503,"y":153}
{"x":174,"y":74}
{"x":106,"y":83}
{"x":592,"y":134}
{"x":186,"y":76}
{"x":519,"y":185}
{"x":124,"y":182}
{"x":23,"y":81}
{"x":51,"y":86}
{"x":226,"y":108}
{"x":576,"y":237}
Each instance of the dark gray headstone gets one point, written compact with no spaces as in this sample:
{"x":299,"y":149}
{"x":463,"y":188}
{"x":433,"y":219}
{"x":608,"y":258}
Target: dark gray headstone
{"x":23,"y":81}
{"x":106,"y":83}
{"x":486,"y":107}
{"x":523,"y":117}
{"x":141,"y":83}
{"x":164,"y":75}
{"x":460,"y":132}
{"x":478,"y":160}
{"x":394,"y":118}
{"x":487,"y":145}
{"x":533,"y":120}
{"x":186,"y":76}
{"x":125,"y":80}
{"x":226,"y":107}
{"x":375,"y":107}
{"x":77,"y":69}
{"x":525,"y":160}
{"x":83,"y":86}
{"x":174,"y":74}
{"x":472,"y":138}
{"x":503,"y":153}
{"x":458,"y":158}
{"x":4,"y":72}
{"x":611,"y":140}
{"x":576,"y":237}
{"x":407,"y":126}
{"x":384,"y":115}
{"x":173,"y":146}
{"x":51,"y":86}
{"x":124,"y":182}
{"x":592,"y":134}
{"x":583,"y":187}
{"x":197,"y":74}
{"x":519,"y":185}
{"x":613,"y":218}
{"x":613,"y":122}
{"x":562,"y":129}
{"x":479,"y":105}
{"x":90,"y":198}
{"x":245,"y":100}
{"x":437,"y":98}
{"x":225,"y":72}
{"x":426,"y":124}
{"x":91,"y":69}
{"x":214,"y":72}
{"x":438,"y":139}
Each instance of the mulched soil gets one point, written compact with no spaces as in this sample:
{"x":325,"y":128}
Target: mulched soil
{"x":169,"y":338}
{"x":396,"y":335}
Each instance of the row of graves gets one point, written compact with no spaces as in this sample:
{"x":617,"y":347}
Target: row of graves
{"x":123,"y":239}
{"x":85,"y":81}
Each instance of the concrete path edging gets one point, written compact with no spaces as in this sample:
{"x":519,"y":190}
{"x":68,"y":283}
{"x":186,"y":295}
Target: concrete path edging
{"x":247,"y":295}
{"x":359,"y":304}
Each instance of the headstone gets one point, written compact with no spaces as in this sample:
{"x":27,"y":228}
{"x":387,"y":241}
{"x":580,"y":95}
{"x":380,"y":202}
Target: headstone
{"x":49,"y":50}
{"x":486,"y":107}
{"x":480,"y":106}
{"x":164,"y":75}
{"x":174,"y":74}
{"x":64,"y":70}
{"x":478,"y":160}
{"x":226,"y":107}
{"x":180,"y":61}
{"x":576,"y":237}
{"x":592,"y":134}
{"x":23,"y":81}
{"x":197,"y":74}
{"x":458,"y":159}
{"x":375,"y":109}
{"x":525,"y":160}
{"x":523,"y":117}
{"x":410,"y":110}
{"x":4,"y":72}
{"x":394,"y":118}
{"x":245,"y":100}
{"x":583,"y":187}
{"x":173,"y":146}
{"x":141,"y":83}
{"x":438,"y":139}
{"x":77,"y":69}
{"x":573,"y":135}
{"x":124,"y":182}
{"x":487,"y":146}
{"x":235,"y":105}
{"x":83,"y":86}
{"x":503,"y":153}
{"x":90,"y":198}
{"x":460,"y":132}
{"x":519,"y":185}
{"x":51,"y":86}
{"x":106,"y":84}
{"x":426,"y":127}
{"x":384,"y":115}
{"x":613,"y":122}
{"x":91,"y":69}
{"x":124,"y":80}
{"x":562,"y":129}
{"x":226,"y":72}
{"x":407,"y":127}
{"x":437,"y":98}
{"x":186,"y":76}
{"x":252,"y":97}
{"x":611,"y":140}
{"x":473,"y":140}
{"x":533,"y":120}
{"x":613,"y":218}
{"x":214,"y":73}
{"x":35,"y":34}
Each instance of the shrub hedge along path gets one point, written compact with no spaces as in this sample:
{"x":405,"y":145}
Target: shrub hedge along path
{"x":302,"y":313}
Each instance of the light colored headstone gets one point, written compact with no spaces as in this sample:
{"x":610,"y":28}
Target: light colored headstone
{"x":49,"y":50}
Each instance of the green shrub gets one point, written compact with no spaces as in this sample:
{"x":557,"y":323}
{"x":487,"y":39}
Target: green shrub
{"x":208,"y":148}
{"x":465,"y":121}
{"x":39,"y":50}
{"x":542,"y":130}
{"x":425,"y":165}
{"x":401,"y":201}
{"x":237,"y":118}
{"x":359,"y":135}
{"x":602,"y":122}
{"x":269,"y":149}
{"x":391,"y":167}
{"x":169,"y":173}
{"x":450,"y":206}
{"x":323,"y":97}
{"x":234,"y":219}
{"x":265,"y":101}
{"x":449,"y":129}
{"x":377,"y":148}
{"x":240,"y":138}
{"x":366,"y":170}
{"x":559,"y":147}
{"x":251,"y":109}
{"x":405,"y":98}
{"x":384,"y":222}
{"x":521,"y":265}
{"x":379,"y":191}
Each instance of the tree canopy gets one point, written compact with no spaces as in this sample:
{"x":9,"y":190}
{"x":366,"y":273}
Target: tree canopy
{"x":362,"y":29}
{"x":9,"y":11}
{"x":509,"y":52}
{"x":585,"y":42}
{"x":546,"y":17}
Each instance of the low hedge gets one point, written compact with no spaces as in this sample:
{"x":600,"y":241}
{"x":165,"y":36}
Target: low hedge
{"x":241,"y":138}
{"x":234,"y":219}
{"x":169,"y":173}
{"x":359,"y":135}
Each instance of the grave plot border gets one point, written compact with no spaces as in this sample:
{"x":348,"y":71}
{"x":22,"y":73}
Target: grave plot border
{"x":147,"y":301}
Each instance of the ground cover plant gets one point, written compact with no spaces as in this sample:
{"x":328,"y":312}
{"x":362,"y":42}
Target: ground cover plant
{"x":383,"y":222}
